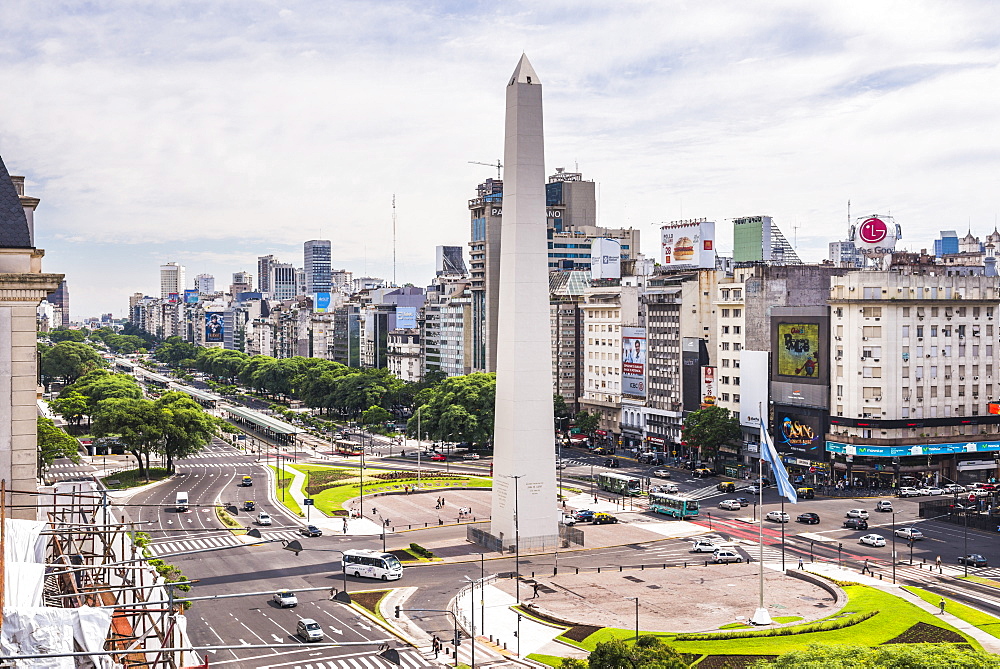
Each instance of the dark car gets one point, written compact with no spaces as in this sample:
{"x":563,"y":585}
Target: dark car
{"x":603,"y":519}
{"x":743,"y":501}
{"x":249,"y":505}
{"x":806,"y":493}
{"x":973,"y":560}
{"x":703,"y":472}
{"x":585,"y":515}
{"x":808,"y":518}
{"x":726,"y":486}
{"x":311,"y":531}
{"x":856,"y":524}
{"x":612,"y":462}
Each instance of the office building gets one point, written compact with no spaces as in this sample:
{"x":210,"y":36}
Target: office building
{"x":282,"y":280}
{"x":242,"y":283}
{"x":204,"y":284}
{"x":946,"y":243}
{"x":60,"y":299}
{"x":758,"y":239}
{"x":845,"y":254}
{"x":316,"y":262}
{"x":264,"y":273}
{"x":171,"y":280}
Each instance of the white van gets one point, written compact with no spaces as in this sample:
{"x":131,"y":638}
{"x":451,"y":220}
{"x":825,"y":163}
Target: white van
{"x":372,"y":564}
{"x":181,"y":501}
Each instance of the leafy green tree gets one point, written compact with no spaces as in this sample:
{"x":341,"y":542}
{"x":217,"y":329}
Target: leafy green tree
{"x":138,"y":424}
{"x":889,"y":656}
{"x":71,"y":405}
{"x":375,"y":415}
{"x":460,"y":408}
{"x":69,"y":360}
{"x":648,"y":652}
{"x":175,"y":352}
{"x":587,"y":422}
{"x":185,"y":426}
{"x":59,"y":335}
{"x":559,"y":407}
{"x":708,"y":429}
{"x":54,"y":443}
{"x":101,"y":384}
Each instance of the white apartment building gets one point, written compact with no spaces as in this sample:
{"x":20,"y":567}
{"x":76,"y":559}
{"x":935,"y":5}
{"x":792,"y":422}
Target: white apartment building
{"x":171,"y":280}
{"x":605,"y":310}
{"x":914,"y":362}
{"x":403,"y":355}
{"x":730,"y":325}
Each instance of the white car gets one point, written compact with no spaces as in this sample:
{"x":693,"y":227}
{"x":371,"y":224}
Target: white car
{"x":263,"y":518}
{"x":954,"y":488}
{"x":568,"y":519}
{"x":471,"y":456}
{"x":934,"y":490}
{"x":726,"y":555}
{"x":661,"y":473}
{"x":777,"y":516}
{"x":704,"y":546}
{"x":730,"y":504}
{"x":876,"y":540}
{"x":924,"y":490}
{"x":858,"y":513}
{"x":752,"y":489}
{"x":906,"y":491}
{"x":285,"y":599}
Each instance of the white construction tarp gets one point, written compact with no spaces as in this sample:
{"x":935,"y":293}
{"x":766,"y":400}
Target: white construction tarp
{"x":44,"y":630}
{"x":24,"y":552}
{"x":23,"y":540}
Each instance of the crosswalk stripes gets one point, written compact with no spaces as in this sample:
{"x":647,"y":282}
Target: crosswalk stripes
{"x":183,"y":545}
{"x":702,"y":493}
{"x":771,"y":554}
{"x":409,"y":659}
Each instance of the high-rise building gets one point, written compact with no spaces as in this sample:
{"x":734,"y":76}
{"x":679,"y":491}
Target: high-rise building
{"x":484,"y":266}
{"x":204,"y":284}
{"x":449,"y":261}
{"x":282,"y":280}
{"x":171,"y":280}
{"x":242,"y":283}
{"x":60,"y":298}
{"x":316,"y":261}
{"x":947,"y":243}
{"x":264,"y":273}
{"x":845,"y":254}
{"x":758,"y":239}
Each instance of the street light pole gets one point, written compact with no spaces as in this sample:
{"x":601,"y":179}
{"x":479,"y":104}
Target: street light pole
{"x":636,"y":599}
{"x":517,"y":552}
{"x":894,"y":547}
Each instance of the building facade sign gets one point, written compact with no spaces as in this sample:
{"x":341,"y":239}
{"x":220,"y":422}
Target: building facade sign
{"x":920,"y":449}
{"x":634,"y":361}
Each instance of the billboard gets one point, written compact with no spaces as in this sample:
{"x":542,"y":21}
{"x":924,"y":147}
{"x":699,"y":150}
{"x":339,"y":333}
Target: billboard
{"x":874,"y":236}
{"x":214,"y":328}
{"x":190,"y":296}
{"x":708,"y":383}
{"x":796,"y":432}
{"x":634,"y":361}
{"x":754,"y":393}
{"x":797,"y":352}
{"x":605,"y":259}
{"x":321,"y":303}
{"x":173,"y":298}
{"x":688,"y":244}
{"x":406,"y":318}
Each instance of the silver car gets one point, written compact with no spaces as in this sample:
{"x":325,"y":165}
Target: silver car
{"x":309,"y":630}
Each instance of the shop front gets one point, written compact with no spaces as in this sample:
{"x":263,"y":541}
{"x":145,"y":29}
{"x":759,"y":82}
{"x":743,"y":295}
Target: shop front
{"x":919,"y":464}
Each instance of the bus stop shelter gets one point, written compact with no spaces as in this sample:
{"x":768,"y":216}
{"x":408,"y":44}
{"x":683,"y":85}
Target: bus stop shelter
{"x":266,"y":426}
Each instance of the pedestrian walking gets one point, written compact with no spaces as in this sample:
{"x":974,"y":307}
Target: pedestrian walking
{"x":867,"y":568}
{"x":345,"y":525}
{"x":941,"y":606}
{"x":373,"y":510}
{"x":937,"y":563}
{"x":595,"y":499}
{"x":435,"y":645}
{"x":801,"y":564}
{"x":534,"y":588}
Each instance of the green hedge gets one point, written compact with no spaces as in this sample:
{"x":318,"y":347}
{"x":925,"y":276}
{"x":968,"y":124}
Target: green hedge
{"x":420,"y":551}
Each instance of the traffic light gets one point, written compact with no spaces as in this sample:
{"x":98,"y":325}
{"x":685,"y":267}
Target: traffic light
{"x":840,"y":547}
{"x":397,"y":610}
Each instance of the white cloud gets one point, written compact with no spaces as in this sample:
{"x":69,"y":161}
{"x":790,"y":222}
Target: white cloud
{"x":203,"y":131}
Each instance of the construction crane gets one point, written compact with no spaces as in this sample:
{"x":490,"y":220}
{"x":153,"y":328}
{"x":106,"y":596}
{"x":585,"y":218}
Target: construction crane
{"x":498,"y":165}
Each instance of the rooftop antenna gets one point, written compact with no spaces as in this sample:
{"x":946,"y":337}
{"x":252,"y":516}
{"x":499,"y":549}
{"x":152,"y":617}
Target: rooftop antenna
{"x":498,"y":165}
{"x":394,"y":240}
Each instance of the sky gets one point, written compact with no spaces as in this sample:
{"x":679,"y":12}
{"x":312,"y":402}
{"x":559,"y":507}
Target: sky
{"x":209,"y":133}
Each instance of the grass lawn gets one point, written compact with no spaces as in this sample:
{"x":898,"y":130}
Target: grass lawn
{"x":551,"y":660}
{"x":130,"y":478}
{"x":332,"y":499}
{"x":289,"y":501}
{"x":781,"y":620}
{"x":975,"y":617}
{"x":894,"y":617}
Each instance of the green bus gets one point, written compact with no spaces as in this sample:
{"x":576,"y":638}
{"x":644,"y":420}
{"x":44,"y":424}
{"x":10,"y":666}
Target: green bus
{"x":622,"y":484}
{"x":673,"y":505}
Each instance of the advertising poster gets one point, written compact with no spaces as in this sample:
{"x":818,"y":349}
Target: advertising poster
{"x":708,"y":383}
{"x":634,"y":361}
{"x":605,"y":259}
{"x":798,"y":350}
{"x":321,"y":303}
{"x":688,"y":245}
{"x":214,"y":328}
{"x":798,"y":434}
{"x":173,"y":298}
{"x":754,"y":395}
{"x":406,"y":318}
{"x":190,"y":296}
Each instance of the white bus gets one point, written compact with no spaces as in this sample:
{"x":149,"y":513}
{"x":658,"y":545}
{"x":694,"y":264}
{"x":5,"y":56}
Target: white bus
{"x":372,"y":564}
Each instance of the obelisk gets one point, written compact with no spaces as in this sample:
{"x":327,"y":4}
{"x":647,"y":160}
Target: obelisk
{"x":524,"y":479}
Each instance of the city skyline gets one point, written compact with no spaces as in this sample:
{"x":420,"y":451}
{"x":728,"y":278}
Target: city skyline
{"x":248,"y":144}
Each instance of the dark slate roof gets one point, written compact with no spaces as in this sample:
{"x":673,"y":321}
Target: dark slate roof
{"x":14,"y":232}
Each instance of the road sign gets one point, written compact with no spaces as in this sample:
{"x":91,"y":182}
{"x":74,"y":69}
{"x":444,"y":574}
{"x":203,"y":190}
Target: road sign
{"x":972,"y":497}
{"x":308,"y":501}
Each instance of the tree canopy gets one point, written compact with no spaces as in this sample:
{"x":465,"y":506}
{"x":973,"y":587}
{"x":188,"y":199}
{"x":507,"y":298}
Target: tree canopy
{"x":99,"y":385}
{"x":888,"y":656}
{"x":69,"y":360}
{"x":708,"y":429}
{"x":185,"y":426}
{"x":54,"y":443}
{"x":460,"y":408}
{"x":648,"y":652}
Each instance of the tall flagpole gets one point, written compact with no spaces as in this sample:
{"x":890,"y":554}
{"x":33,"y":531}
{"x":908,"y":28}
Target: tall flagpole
{"x":761,"y":616}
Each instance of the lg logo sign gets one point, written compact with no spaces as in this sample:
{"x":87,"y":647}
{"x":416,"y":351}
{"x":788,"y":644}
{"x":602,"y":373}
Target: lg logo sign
{"x":873,"y":230}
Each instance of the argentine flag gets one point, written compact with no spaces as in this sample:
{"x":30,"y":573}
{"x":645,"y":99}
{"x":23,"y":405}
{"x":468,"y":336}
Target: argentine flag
{"x":770,"y":454}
